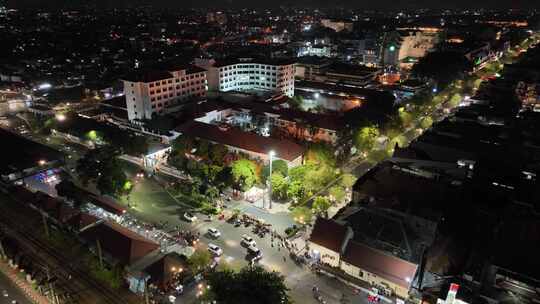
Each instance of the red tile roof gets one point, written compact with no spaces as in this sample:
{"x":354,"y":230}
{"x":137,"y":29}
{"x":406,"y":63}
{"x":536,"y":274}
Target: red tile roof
{"x":121,"y":243}
{"x":107,"y":203}
{"x":379,"y":263}
{"x":284,"y":149}
{"x":328,"y":234}
{"x":81,"y":220}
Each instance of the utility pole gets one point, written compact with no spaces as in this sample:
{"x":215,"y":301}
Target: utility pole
{"x":45,"y":226}
{"x":49,"y":284}
{"x":146,"y":298}
{"x":2,"y":251}
{"x":100,"y":256}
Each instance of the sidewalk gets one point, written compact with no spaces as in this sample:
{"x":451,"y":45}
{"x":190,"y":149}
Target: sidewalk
{"x":353,"y":282}
{"x":22,"y":284}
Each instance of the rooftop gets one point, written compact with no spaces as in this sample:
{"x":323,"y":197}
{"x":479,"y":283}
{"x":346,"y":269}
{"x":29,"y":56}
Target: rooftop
{"x":122,"y":244}
{"x":267,"y":61}
{"x":329,"y":122}
{"x":328,"y":234}
{"x":403,"y":191}
{"x":234,"y":137}
{"x":377,"y":262}
{"x":148,"y":76}
{"x":350,"y":69}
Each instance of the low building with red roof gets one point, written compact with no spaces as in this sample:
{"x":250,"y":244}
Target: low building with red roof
{"x":333,"y":244}
{"x":256,"y":146}
{"x":382,"y":270}
{"x":118,"y":244}
{"x":328,"y":240}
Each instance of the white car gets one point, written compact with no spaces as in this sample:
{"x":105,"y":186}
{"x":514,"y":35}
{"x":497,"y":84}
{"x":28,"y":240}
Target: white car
{"x":255,"y":252}
{"x":248,"y":241}
{"x":213,"y":232}
{"x":190,"y":217}
{"x":215,"y":249}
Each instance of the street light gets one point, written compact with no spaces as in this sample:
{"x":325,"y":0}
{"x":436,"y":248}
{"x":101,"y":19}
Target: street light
{"x":271,"y":156}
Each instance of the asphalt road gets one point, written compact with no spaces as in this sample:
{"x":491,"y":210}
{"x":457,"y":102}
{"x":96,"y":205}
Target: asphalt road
{"x":9,"y":292}
{"x":153,"y":204}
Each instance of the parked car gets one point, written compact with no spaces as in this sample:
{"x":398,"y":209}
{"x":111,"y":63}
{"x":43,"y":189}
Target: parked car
{"x":190,"y":217}
{"x":248,"y":241}
{"x":213,"y":232}
{"x":215,"y":249}
{"x":254,"y":252}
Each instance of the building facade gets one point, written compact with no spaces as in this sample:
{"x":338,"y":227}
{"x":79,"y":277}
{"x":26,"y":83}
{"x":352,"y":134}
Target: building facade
{"x":157,"y":93}
{"x":334,"y":245}
{"x":248,"y":74}
{"x":337,"y":25}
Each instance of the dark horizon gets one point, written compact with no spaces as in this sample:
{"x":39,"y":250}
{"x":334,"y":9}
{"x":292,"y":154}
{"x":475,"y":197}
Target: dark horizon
{"x":237,"y":4}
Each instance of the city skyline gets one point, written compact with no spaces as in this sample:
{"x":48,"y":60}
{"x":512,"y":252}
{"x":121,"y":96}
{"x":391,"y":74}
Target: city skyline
{"x":238,"y":4}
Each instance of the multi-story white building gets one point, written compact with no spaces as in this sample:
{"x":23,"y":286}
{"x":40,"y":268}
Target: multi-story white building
{"x":150,"y":93}
{"x":248,"y":74}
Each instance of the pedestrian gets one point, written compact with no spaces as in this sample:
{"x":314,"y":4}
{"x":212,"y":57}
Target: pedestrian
{"x":284,"y":259}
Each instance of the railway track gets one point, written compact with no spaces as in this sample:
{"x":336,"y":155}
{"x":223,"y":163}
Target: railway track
{"x":72,"y":273}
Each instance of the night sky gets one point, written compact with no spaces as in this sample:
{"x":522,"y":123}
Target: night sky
{"x":380,"y":4}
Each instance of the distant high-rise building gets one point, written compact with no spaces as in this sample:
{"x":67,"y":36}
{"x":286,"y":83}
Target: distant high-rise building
{"x":159,"y":92}
{"x":249,"y":74}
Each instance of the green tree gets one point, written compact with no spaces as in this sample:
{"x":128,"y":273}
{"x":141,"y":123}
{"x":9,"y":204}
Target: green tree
{"x":279,"y":166}
{"x":136,"y":145}
{"x":212,"y":172}
{"x":337,"y":192}
{"x":217,"y":153}
{"x":454,"y":100}
{"x":296,"y":191}
{"x":405,"y":117}
{"x":302,"y":214}
{"x":426,"y":122}
{"x":366,"y":137}
{"x":321,"y":204}
{"x":199,"y":260}
{"x":244,"y":172}
{"x":348,"y":180}
{"x":296,"y":102}
{"x":377,"y":156}
{"x":224,"y":178}
{"x":203,"y":149}
{"x":321,"y":154}
{"x":182,"y":144}
{"x":228,"y":287}
{"x":212,"y":193}
{"x":100,"y":166}
{"x":178,"y":161}
{"x":442,"y":66}
{"x":279,"y":186}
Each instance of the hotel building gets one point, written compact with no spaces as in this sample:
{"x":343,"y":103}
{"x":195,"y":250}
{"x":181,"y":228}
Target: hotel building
{"x":149,"y":93}
{"x":248,"y":74}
